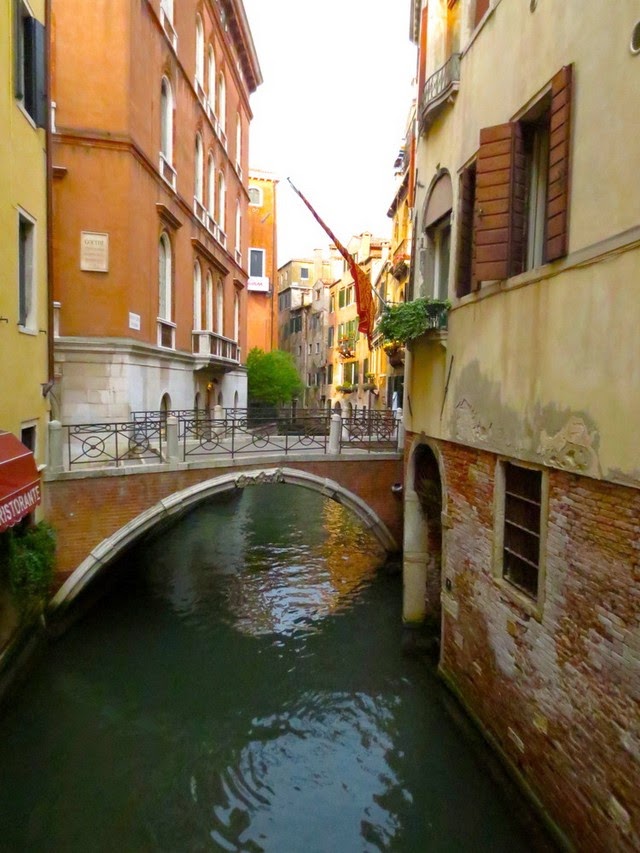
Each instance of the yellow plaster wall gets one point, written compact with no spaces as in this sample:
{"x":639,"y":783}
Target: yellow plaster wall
{"x":23,"y":356}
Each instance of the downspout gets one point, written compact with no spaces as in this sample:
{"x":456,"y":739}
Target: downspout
{"x":49,"y":203}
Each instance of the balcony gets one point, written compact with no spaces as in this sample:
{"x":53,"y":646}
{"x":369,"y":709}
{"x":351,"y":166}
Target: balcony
{"x":167,"y":171}
{"x":209,"y":347}
{"x":439,"y":88}
{"x":200,"y":211}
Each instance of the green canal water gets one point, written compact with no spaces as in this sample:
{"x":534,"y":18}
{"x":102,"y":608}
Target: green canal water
{"x":240,"y":686}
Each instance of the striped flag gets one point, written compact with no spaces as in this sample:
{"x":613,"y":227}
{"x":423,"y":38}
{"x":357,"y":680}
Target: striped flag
{"x":361,"y":280}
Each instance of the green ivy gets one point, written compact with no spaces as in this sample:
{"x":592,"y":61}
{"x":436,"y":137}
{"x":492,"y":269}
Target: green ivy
{"x":27,"y":557}
{"x":407,"y":321}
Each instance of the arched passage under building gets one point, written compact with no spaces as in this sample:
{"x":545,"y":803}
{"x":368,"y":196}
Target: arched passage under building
{"x":423,"y":541}
{"x":176,"y":504}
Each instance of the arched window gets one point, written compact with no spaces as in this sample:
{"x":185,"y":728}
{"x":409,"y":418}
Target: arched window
{"x":222,"y":102}
{"x":164,"y":278}
{"x":198,"y":188}
{"x":199,"y":52}
{"x":220,"y":309}
{"x":211,"y":185}
{"x":211,"y":83}
{"x":166,"y":120}
{"x":239,"y":144}
{"x":197,"y":297}
{"x":255,"y":196}
{"x":236,"y":317}
{"x":208,"y":302}
{"x":238,"y":229}
{"x":222,"y":201}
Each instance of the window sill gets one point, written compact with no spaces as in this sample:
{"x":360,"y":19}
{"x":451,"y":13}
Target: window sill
{"x":25,"y":330}
{"x":530,"y":606}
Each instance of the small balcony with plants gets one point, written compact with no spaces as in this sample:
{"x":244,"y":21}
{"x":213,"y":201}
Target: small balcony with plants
{"x":346,"y":348}
{"x":401,"y":324}
{"x":346,"y":388}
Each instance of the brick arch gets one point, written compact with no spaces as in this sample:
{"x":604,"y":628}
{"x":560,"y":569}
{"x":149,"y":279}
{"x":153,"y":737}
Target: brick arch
{"x":177,"y":503}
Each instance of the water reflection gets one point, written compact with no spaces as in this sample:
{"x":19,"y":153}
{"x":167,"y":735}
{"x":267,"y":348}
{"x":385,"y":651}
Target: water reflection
{"x":242,"y":689}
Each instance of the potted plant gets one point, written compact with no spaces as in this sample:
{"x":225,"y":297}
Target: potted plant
{"x":345,"y":388}
{"x":400,"y":324}
{"x":369,"y":382}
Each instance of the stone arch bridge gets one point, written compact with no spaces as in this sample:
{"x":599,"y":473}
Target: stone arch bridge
{"x":99,"y":514}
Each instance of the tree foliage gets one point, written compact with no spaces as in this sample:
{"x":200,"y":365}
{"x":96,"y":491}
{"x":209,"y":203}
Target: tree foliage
{"x":272,"y":377}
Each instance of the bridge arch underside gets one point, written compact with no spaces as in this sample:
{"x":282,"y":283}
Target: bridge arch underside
{"x":180,"y":502}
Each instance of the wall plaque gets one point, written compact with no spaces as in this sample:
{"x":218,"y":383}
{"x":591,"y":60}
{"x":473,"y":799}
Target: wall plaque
{"x":94,"y":251}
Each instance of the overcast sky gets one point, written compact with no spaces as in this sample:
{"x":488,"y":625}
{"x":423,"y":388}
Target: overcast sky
{"x":331,"y":113}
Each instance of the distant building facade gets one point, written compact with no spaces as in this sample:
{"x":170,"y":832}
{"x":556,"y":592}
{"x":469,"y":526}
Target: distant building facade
{"x":150,"y":231}
{"x":262,"y":287}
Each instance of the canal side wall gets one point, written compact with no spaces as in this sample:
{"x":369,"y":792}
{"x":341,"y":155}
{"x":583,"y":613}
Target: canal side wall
{"x":556,"y":687}
{"x":88,"y":507}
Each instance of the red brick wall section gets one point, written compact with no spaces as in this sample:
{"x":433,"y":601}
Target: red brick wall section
{"x":561,"y":695}
{"x":86,"y":511}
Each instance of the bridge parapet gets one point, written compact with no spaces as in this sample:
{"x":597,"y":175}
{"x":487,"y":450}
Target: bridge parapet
{"x":184,"y":437}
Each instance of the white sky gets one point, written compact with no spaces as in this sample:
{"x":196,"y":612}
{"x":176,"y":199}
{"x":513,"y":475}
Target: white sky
{"x":331,"y":113}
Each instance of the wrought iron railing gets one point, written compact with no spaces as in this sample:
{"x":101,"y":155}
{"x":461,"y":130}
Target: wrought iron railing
{"x":146,"y":438}
{"x":234,"y":436}
{"x":440,"y":82}
{"x":114,"y":443}
{"x":371,"y":431}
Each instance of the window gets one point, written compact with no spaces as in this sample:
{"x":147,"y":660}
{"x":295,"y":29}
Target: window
{"x":197,"y":297}
{"x":211,"y":74}
{"x":239,"y":144}
{"x":350,"y":372}
{"x":211,"y":185}
{"x":166,"y":328}
{"x":208,"y":305}
{"x":256,"y":263}
{"x":222,"y":102}
{"x":30,"y":70}
{"x":341,"y":297}
{"x":198,"y":189}
{"x":439,"y":247}
{"x":26,"y":273}
{"x":255,"y":196}
{"x":304,"y":272}
{"x":166,"y":6}
{"x":238,"y":232}
{"x":222,"y":201}
{"x":199,"y":54}
{"x":317,"y":347}
{"x":330,"y":336}
{"x":166,"y":121}
{"x":329,"y":374}
{"x":522,"y":188}
{"x":309,"y":349}
{"x":236,"y":317}
{"x":521,"y":492}
{"x":220,"y":309}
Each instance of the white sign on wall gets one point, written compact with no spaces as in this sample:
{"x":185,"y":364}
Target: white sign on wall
{"x":134,"y":321}
{"x":94,"y":251}
{"x":258,"y":283}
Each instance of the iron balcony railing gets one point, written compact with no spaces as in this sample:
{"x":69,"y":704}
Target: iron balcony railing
{"x":441,"y":84}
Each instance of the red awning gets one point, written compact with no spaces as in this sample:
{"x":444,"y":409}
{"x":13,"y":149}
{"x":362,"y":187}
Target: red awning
{"x":19,"y":481}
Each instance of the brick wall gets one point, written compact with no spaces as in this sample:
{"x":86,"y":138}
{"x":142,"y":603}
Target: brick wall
{"x":87,"y":510}
{"x":560,"y":693}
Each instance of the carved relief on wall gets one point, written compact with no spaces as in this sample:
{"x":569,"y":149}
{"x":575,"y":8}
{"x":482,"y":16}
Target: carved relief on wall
{"x":571,"y":448}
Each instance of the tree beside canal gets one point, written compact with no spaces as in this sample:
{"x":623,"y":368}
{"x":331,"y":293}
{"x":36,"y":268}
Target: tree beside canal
{"x":272,"y":377}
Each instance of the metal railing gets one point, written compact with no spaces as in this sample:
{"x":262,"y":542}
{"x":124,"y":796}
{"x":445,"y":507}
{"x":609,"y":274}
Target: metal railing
{"x":440,"y":83}
{"x":120,"y":443}
{"x":184,"y":435}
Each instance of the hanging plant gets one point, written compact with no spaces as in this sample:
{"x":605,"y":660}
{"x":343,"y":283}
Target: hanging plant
{"x":400,"y":324}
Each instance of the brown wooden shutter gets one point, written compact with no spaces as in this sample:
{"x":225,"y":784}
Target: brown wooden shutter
{"x":466,"y":244}
{"x":481,"y":8}
{"x":559,"y":145}
{"x":499,"y":206}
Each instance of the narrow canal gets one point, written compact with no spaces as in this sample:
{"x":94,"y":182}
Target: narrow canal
{"x":241,"y":687}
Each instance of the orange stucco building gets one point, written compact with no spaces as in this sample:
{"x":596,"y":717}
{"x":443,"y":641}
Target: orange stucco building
{"x":150,"y":232}
{"x":262,"y":296}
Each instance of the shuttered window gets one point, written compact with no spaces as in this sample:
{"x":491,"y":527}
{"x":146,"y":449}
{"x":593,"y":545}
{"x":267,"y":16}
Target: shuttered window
{"x":559,"y":145}
{"x":520,"y":202}
{"x":522,"y":521}
{"x":30,"y":64}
